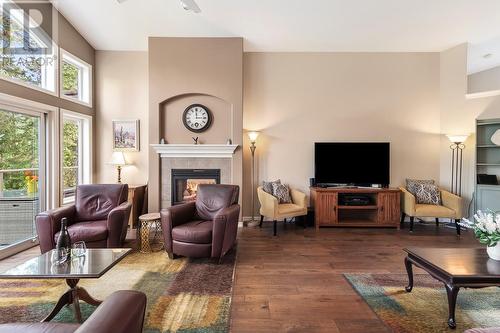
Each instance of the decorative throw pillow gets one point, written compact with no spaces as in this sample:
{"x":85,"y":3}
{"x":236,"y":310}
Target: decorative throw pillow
{"x":268,"y":186}
{"x":282,"y":193}
{"x":428,"y":194}
{"x":412,"y":185}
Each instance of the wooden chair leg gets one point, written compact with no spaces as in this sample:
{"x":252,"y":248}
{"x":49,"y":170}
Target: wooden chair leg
{"x":261,"y":220}
{"x":275,"y":227}
{"x":457,"y":226}
{"x":437,"y":221}
{"x":411,"y":223}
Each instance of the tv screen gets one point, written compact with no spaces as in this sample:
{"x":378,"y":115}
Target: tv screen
{"x":352,"y":163}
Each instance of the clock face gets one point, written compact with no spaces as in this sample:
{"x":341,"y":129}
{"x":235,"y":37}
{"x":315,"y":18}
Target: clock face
{"x":197,"y":118}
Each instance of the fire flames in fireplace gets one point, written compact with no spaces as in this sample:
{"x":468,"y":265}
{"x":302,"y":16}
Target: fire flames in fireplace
{"x":189,"y":193}
{"x":185,"y":183}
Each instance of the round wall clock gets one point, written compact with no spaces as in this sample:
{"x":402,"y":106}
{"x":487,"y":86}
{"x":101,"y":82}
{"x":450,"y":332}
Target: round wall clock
{"x":197,"y":118}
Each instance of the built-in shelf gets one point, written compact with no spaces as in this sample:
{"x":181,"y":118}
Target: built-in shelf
{"x":359,"y":207}
{"x":488,"y":146}
{"x":488,"y":162}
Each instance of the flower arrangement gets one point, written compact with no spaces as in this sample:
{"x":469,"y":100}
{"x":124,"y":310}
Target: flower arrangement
{"x":486,"y":227}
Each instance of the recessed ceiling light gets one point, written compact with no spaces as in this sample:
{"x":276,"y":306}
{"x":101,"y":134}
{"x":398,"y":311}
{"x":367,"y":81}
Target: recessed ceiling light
{"x":487,"y":55}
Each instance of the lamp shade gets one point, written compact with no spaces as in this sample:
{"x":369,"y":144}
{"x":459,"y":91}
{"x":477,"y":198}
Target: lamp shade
{"x":118,"y":158}
{"x":252,"y":135}
{"x":460,"y":138}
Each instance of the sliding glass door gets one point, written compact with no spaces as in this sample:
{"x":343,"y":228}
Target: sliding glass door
{"x":22,"y":177}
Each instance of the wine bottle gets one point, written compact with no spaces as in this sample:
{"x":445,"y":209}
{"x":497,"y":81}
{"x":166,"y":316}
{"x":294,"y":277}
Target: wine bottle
{"x":63,"y":246}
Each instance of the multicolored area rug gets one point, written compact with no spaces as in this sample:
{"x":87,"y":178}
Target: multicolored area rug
{"x":184,"y":295}
{"x":425,"y":308}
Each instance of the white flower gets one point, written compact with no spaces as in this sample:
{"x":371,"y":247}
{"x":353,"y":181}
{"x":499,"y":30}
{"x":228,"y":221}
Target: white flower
{"x":497,"y":221}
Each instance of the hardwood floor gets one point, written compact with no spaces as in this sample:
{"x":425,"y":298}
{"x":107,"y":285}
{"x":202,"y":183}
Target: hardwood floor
{"x":294,"y":282}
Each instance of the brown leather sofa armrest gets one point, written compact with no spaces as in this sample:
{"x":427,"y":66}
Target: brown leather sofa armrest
{"x":48,"y":223}
{"x":179,"y":214}
{"x":122,"y":312}
{"x":174,"y":216}
{"x":225,"y":229}
{"x":117,"y":224}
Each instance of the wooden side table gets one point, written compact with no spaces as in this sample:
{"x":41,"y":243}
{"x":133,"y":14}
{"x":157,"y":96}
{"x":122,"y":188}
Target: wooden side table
{"x":150,"y":224}
{"x":136,"y":195}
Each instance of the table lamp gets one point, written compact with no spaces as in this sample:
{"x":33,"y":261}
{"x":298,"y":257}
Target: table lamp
{"x":118,"y":160}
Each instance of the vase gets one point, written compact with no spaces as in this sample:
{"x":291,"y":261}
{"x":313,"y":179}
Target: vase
{"x":494,"y":252}
{"x":31,"y":187}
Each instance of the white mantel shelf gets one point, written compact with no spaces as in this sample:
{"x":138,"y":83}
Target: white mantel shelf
{"x":191,"y":150}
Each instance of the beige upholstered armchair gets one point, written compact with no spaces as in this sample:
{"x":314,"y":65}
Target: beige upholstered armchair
{"x":270,"y":208}
{"x":451,"y":208}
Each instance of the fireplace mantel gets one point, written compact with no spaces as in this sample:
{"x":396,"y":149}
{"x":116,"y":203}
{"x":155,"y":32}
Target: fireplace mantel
{"x":191,"y":150}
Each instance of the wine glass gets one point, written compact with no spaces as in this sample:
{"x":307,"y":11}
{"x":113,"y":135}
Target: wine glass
{"x":79,"y":249}
{"x":59,"y":256}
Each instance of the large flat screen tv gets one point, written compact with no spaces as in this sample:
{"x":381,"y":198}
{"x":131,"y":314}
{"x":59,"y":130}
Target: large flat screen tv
{"x":362,"y":163}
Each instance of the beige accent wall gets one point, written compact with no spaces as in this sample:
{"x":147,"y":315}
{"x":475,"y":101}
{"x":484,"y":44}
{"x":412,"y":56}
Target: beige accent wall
{"x":122,"y":93}
{"x":458,"y":115}
{"x":187,"y":70}
{"x":296,"y":99}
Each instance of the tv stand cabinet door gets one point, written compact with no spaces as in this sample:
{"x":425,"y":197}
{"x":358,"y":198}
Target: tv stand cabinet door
{"x":389,"y":209}
{"x":326,"y":209}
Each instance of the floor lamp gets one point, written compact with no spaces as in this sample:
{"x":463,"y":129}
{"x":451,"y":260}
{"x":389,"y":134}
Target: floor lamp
{"x":457,"y":146}
{"x":253,"y":138}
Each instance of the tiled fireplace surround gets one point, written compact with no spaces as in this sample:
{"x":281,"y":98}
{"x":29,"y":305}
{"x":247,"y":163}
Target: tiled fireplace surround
{"x":169,"y":163}
{"x":189,"y":156}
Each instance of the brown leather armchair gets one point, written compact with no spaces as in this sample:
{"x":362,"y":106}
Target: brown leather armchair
{"x":99,"y":217}
{"x":206,"y":227}
{"x":122,"y":312}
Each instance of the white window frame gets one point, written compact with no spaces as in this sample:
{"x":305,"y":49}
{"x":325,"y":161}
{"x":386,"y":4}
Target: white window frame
{"x":46,"y":71}
{"x":84,"y":82}
{"x":84,"y":150}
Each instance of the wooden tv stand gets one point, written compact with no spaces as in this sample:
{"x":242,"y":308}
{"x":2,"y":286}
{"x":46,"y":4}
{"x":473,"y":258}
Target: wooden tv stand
{"x":383,"y":211}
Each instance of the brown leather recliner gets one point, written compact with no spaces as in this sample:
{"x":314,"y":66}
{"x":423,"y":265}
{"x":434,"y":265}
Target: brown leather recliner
{"x":122,"y":312}
{"x":206,"y":227}
{"x":99,"y":217}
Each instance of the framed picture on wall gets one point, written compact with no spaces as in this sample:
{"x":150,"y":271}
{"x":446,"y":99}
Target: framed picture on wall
{"x":126,"y":135}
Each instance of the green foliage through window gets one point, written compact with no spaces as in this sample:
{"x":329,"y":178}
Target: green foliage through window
{"x":70,"y":79}
{"x":19,"y":143}
{"x":70,"y":153}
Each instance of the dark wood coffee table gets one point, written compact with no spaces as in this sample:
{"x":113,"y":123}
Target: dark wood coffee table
{"x":456,"y":268}
{"x":92,"y":265}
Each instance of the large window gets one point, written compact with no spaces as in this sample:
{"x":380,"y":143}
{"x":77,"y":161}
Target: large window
{"x":36,"y":65}
{"x":76,"y":80}
{"x":75,"y":153}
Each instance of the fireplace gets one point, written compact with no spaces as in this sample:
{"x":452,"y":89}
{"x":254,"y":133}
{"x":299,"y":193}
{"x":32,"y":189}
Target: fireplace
{"x":185,"y":183}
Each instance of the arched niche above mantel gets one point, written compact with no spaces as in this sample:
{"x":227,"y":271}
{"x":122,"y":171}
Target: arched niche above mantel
{"x":173,"y":131}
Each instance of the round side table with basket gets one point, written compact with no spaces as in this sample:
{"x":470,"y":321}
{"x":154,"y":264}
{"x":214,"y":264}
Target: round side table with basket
{"x":149,"y":233}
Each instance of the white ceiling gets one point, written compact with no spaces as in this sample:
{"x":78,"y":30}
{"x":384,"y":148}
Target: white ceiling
{"x":484,"y":55}
{"x":291,"y":25}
